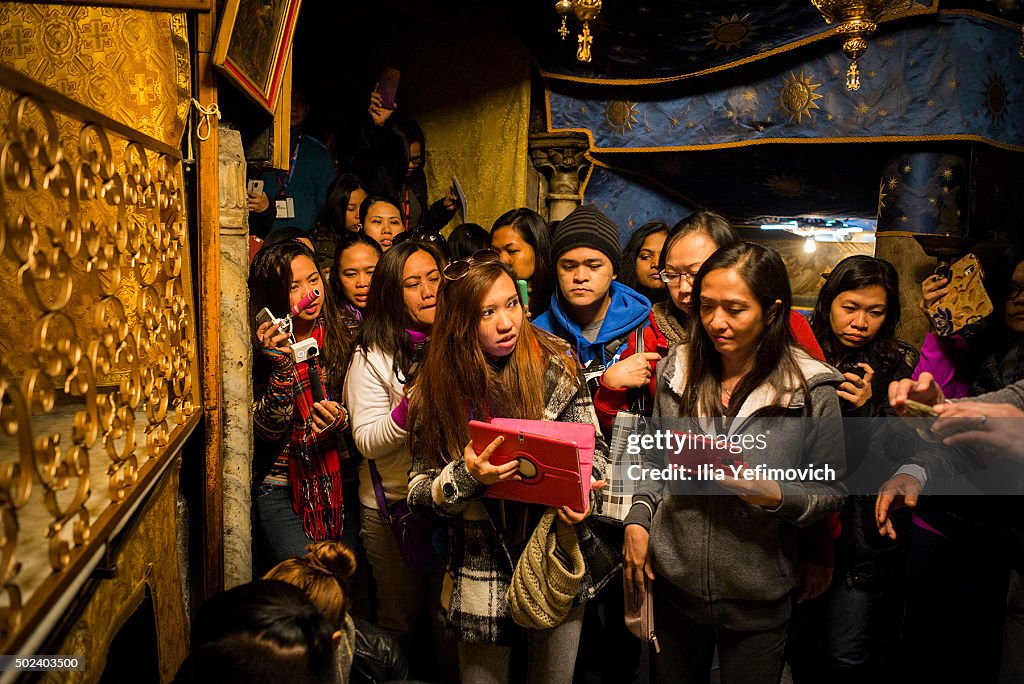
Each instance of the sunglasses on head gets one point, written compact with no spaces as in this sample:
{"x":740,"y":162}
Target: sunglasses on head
{"x":459,"y":268}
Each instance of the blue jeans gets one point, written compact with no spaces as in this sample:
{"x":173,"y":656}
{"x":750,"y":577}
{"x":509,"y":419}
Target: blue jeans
{"x":278,"y":528}
{"x":851,"y":630}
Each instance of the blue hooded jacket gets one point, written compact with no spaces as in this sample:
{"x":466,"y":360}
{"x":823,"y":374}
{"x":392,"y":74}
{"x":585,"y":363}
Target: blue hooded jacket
{"x":628,"y":311}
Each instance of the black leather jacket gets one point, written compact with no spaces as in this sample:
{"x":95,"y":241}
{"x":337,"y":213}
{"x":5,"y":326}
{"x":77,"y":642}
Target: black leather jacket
{"x":378,"y":657}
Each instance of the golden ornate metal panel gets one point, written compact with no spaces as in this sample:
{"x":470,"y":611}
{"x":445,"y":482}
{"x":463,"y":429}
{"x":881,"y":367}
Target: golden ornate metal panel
{"x":97,"y":331}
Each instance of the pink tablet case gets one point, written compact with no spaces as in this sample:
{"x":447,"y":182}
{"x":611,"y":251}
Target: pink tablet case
{"x":558,"y":481}
{"x":583,"y":434}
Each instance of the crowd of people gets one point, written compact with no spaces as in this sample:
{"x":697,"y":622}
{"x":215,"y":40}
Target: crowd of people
{"x":383,"y":559}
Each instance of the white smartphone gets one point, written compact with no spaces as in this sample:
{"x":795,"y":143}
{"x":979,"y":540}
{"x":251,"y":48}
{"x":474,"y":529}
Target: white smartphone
{"x":254,"y":187}
{"x":264,"y":316}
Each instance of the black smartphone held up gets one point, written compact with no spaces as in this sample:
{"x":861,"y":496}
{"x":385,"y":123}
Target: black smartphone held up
{"x":852,"y":367}
{"x":388,"y":87}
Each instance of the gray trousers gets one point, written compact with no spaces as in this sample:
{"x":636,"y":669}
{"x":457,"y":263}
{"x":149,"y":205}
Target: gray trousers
{"x":552,"y":655}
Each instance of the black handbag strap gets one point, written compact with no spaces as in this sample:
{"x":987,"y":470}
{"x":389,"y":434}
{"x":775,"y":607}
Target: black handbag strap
{"x":378,"y":491}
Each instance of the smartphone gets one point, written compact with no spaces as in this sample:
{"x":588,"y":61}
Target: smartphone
{"x":916,"y":408}
{"x":523,"y":293}
{"x":264,"y":316}
{"x":388,"y":87}
{"x":254,"y":187}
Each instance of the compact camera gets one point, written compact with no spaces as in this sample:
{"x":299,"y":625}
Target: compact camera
{"x":305,"y":350}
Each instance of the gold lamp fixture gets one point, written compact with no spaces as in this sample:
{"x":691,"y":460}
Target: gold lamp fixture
{"x":857,"y":20}
{"x":584,"y":11}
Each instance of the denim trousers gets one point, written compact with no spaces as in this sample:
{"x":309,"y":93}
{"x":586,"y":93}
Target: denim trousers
{"x":278,"y":534}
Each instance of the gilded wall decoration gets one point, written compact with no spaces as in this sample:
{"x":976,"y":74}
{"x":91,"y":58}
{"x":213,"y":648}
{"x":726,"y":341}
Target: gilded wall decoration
{"x":131,"y":65}
{"x":97,"y":329}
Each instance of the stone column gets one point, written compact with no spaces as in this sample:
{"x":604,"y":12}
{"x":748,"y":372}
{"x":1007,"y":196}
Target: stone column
{"x":236,"y":359}
{"x":560,"y":159}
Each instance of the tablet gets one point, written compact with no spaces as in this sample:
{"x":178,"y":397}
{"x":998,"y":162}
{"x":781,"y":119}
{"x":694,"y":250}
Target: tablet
{"x":549,"y":468}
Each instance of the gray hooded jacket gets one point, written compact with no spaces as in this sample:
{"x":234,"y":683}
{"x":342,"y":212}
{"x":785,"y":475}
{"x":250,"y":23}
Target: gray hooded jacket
{"x":712,"y":545}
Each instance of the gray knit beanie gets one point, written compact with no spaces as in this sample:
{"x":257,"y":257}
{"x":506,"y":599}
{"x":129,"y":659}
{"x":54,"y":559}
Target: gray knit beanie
{"x":586,"y":226}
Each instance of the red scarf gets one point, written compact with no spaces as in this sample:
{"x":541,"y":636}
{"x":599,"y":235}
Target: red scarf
{"x":314,"y":466}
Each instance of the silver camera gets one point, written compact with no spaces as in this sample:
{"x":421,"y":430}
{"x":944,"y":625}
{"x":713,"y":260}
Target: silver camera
{"x":305,"y":350}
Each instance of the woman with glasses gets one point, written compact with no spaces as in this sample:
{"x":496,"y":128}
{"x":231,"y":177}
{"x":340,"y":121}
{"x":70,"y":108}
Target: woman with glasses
{"x":689,"y":244}
{"x":397,"y":323}
{"x":505,"y":368}
{"x":724,"y":550}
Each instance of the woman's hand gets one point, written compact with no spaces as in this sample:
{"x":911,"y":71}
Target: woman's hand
{"x":636,"y":565}
{"x":326,"y":415}
{"x":765,"y":493}
{"x":480,"y":467}
{"x":631,"y":372}
{"x":924,"y":390}
{"x":451,"y":202}
{"x":571,"y":517}
{"x":378,"y":112}
{"x":258,"y":202}
{"x":933,"y":288}
{"x":273,"y":342}
{"x":857,"y":390}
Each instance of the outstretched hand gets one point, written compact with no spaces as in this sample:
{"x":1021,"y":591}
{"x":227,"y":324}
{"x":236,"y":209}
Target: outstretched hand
{"x":900,"y":490}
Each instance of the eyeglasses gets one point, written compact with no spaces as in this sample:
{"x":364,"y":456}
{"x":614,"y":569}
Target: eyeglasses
{"x":459,"y":269}
{"x":1014,"y":291}
{"x":671,"y":277}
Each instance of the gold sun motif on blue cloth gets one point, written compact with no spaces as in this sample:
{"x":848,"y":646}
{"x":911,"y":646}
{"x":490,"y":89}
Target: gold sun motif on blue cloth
{"x":797,"y":98}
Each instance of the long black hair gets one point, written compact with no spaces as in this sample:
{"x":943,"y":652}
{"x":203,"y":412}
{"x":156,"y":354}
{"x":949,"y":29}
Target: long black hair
{"x":270,"y":277}
{"x":534,"y":230}
{"x":627,"y":274}
{"x":764,"y":273}
{"x":886,"y":352}
{"x":384,"y":319}
{"x":332,"y":216}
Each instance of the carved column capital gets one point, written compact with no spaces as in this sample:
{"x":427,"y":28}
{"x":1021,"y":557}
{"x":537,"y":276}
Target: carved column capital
{"x":234,"y":211}
{"x":561,"y":159}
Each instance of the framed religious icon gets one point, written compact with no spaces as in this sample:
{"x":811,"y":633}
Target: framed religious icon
{"x":254,"y":41}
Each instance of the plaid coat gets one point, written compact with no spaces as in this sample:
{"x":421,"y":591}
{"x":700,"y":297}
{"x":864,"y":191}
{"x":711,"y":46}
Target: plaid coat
{"x":481,"y":556}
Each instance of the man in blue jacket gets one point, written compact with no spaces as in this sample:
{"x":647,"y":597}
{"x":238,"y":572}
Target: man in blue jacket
{"x":589,"y":310}
{"x":597,"y":316}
